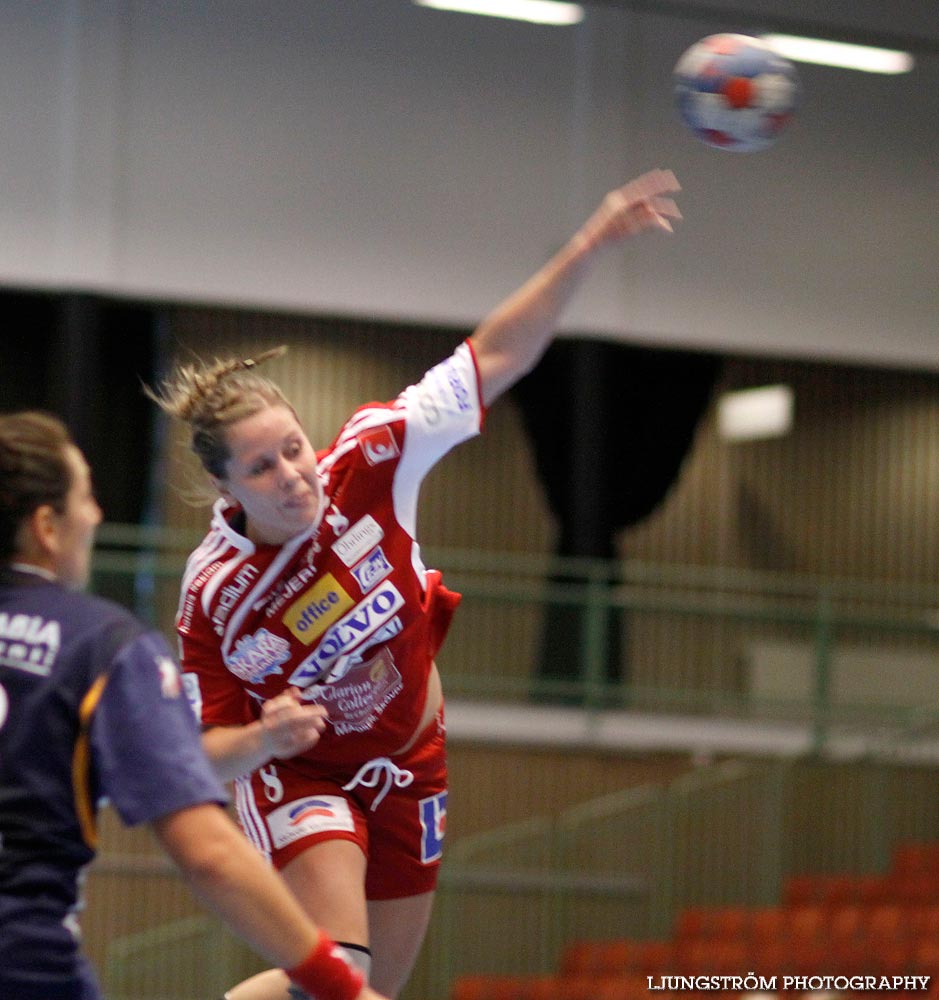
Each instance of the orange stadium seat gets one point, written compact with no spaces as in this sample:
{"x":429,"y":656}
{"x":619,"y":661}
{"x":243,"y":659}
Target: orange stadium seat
{"x":915,"y":888}
{"x":892,"y":958}
{"x":835,"y":889}
{"x":712,"y":956}
{"x":655,"y":958}
{"x":596,"y":957}
{"x":887,"y":922}
{"x":923,"y":921}
{"x":799,"y":890}
{"x":913,"y":858}
{"x":722,"y":922}
{"x":873,"y":889}
{"x":925,"y":958}
{"x":730,"y":922}
{"x":692,"y":922}
{"x":601,"y":988}
{"x":839,"y":890}
{"x":846,"y":923}
{"x":849,"y":958}
{"x":770,"y":957}
{"x":495,"y":987}
{"x":619,"y":956}
{"x":806,"y":923}
{"x":767,"y":923}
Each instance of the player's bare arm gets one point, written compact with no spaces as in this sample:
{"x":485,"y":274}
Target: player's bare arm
{"x":287,"y":727}
{"x":509,"y":342}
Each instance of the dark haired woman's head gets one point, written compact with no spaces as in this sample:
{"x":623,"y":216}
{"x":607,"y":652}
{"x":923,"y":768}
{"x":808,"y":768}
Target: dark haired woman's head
{"x":48,"y":512}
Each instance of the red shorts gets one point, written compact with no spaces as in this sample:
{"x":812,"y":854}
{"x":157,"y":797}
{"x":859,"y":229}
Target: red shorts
{"x":394,"y":809}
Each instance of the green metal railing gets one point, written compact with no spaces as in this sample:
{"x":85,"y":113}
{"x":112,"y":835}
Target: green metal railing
{"x":690,"y":630}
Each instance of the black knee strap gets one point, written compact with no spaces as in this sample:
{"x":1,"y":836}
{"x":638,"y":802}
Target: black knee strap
{"x":355,"y":947}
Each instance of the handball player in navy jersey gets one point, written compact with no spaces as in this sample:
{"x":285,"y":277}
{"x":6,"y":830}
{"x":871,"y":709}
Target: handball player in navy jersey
{"x":309,"y":624}
{"x":91,"y":707}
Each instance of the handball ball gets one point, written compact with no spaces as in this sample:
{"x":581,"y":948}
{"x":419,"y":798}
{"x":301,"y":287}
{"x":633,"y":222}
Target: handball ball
{"x":734,"y":92}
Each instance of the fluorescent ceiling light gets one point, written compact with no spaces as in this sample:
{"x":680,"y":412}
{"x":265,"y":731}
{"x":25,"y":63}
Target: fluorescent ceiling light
{"x":841,"y":54}
{"x":535,"y":11}
{"x":752,"y":414}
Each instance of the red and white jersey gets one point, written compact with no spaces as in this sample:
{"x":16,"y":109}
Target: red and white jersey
{"x":345,"y":610}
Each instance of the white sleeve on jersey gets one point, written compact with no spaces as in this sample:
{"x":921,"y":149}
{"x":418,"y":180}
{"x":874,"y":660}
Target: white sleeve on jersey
{"x":443,"y":409}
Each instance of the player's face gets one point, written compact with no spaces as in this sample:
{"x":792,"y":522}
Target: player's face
{"x":75,"y":526}
{"x":272,"y":475}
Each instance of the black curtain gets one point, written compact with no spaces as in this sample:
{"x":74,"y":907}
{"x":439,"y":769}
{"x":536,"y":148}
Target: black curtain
{"x":83,"y":357}
{"x":610,"y":425}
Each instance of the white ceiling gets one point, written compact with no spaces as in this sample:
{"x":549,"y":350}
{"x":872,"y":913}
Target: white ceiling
{"x":910,"y":24}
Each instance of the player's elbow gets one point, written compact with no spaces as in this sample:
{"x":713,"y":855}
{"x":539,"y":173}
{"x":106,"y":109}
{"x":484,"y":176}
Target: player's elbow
{"x":199,"y":840}
{"x":503,"y":372}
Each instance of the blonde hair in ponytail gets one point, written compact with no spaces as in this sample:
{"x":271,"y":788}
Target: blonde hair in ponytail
{"x":211,"y":397}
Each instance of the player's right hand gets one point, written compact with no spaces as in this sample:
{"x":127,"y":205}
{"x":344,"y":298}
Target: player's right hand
{"x":289,"y":725}
{"x":640,"y":205}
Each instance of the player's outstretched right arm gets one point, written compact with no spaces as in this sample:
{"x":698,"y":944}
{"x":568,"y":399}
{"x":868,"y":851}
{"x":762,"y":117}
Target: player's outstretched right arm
{"x":511,"y":339}
{"x":232,"y":879}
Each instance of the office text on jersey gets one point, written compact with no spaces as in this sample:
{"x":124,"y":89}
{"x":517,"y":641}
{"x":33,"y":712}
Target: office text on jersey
{"x":349,"y":632}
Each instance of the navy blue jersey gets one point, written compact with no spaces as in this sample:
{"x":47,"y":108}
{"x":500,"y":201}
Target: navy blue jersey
{"x":90,"y":707}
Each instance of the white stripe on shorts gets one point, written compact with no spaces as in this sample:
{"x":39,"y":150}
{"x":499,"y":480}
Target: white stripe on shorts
{"x":251,"y":820}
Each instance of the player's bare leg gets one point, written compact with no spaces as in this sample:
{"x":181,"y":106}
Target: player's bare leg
{"x":327,"y":879}
{"x":396,"y":928}
{"x":269,"y":985}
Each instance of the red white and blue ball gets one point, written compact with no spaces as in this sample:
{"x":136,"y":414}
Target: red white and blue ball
{"x":734,"y":92}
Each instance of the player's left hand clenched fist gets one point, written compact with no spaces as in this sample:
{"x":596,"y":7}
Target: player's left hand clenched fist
{"x":290,"y":726}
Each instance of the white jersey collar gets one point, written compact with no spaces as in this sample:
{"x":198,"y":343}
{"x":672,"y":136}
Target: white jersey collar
{"x":223,"y":510}
{"x":34,"y":571}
